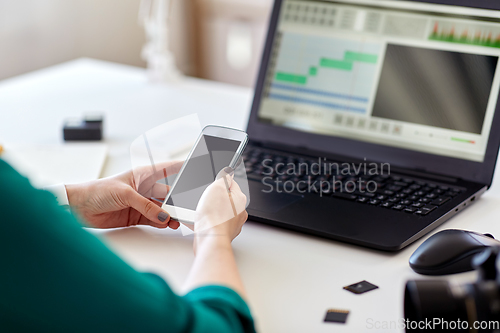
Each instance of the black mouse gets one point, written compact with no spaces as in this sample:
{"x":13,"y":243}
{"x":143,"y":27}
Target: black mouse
{"x":449,"y":251}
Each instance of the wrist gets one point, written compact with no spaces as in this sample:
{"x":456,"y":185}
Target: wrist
{"x":73,"y":191}
{"x":211,"y":242}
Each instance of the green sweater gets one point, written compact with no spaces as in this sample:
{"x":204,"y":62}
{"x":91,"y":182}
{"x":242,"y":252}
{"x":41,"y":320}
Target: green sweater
{"x":57,"y":277}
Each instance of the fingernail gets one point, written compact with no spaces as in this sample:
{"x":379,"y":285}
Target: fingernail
{"x":162,"y":216}
{"x":228,"y":170}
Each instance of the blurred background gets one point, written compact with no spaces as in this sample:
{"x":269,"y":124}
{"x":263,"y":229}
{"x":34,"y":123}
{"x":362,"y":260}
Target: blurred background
{"x":218,"y":40}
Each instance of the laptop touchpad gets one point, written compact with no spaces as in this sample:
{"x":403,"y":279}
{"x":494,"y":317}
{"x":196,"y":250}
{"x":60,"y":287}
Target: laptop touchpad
{"x":271,"y":202}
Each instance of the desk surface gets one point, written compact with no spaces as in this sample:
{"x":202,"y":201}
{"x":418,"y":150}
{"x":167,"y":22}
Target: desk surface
{"x":292,"y":279}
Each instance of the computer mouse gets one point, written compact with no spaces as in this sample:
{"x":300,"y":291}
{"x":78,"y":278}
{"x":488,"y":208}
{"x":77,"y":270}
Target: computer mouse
{"x":449,"y":252}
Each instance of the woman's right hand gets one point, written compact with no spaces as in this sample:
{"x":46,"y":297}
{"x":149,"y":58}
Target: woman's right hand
{"x":221,"y":211}
{"x":220,"y":215}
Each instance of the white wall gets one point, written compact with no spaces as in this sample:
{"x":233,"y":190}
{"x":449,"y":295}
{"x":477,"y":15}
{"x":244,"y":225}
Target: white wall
{"x":39,"y":33}
{"x":205,"y":35}
{"x":231,"y":39}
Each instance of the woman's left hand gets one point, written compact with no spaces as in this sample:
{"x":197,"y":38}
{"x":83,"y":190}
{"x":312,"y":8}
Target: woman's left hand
{"x":124,"y":200}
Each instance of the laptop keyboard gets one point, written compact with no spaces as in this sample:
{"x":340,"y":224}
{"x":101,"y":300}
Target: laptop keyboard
{"x":392,"y":191}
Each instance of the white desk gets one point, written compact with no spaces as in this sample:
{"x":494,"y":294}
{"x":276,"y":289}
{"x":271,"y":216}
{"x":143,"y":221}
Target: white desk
{"x":292,"y":279}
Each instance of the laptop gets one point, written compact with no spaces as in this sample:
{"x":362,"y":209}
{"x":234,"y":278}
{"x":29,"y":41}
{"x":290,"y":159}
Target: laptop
{"x":373,"y":122}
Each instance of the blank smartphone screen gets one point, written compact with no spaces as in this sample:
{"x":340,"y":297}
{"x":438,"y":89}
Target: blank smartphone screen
{"x":210,"y":156}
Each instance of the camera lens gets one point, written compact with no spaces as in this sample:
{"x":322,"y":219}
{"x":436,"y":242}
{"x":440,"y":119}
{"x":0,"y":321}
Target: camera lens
{"x":432,"y":300}
{"x":437,"y":306}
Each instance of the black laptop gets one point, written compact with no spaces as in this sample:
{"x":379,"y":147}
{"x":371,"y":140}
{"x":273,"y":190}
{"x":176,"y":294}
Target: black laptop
{"x":373,"y":122}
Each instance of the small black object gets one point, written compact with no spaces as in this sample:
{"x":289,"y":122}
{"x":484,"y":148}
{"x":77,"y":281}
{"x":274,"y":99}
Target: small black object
{"x":336,"y":316}
{"x":449,"y":251}
{"x":360,"y":287}
{"x":87,"y":129}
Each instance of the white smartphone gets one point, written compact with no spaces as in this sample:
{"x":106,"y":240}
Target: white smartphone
{"x":216,"y":147}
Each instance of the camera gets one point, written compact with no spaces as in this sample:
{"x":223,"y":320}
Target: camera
{"x":438,"y":306}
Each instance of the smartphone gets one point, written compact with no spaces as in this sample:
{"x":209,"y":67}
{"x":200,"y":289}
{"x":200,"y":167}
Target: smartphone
{"x":216,"y":147}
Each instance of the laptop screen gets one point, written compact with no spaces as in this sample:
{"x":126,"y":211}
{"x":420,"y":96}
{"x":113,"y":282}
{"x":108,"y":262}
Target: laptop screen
{"x":396,"y":73}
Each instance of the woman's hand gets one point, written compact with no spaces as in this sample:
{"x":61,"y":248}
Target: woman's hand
{"x":221,"y":210}
{"x":123,"y":200}
{"x":220,"y":215}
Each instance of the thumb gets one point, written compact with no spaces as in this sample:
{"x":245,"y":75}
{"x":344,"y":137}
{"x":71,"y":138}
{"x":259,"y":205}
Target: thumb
{"x":148,"y":209}
{"x":227,"y":174}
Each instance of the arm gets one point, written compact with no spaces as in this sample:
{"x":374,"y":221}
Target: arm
{"x":215,"y":228}
{"x":58,"y":277}
{"x":215,"y":264}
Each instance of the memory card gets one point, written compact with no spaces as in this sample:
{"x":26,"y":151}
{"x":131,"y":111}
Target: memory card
{"x":360,"y":287}
{"x":336,"y":316}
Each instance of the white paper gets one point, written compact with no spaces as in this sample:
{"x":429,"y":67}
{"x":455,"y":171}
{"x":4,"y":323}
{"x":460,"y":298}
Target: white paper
{"x":66,"y":163}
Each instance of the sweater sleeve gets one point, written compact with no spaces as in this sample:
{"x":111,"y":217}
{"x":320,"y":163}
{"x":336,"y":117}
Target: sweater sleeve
{"x":57,"y":277}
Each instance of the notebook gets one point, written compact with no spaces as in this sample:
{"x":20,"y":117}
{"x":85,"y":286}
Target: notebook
{"x":46,"y":165}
